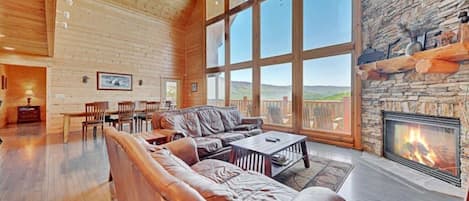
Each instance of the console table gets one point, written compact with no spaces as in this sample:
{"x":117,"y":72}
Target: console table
{"x":29,"y":114}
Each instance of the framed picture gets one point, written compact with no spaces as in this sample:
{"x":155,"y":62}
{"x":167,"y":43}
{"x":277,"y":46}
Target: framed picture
{"x":194,"y":87}
{"x":114,"y":81}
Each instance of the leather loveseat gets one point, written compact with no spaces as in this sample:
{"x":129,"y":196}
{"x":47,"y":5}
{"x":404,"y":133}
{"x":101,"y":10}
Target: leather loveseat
{"x":174,"y":172}
{"x":212,"y":128}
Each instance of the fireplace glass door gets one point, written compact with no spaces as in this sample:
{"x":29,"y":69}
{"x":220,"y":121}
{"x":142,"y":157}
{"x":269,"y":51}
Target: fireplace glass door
{"x":428,"y":144}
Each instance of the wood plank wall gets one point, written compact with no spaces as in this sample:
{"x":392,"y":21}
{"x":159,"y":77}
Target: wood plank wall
{"x":105,"y":37}
{"x":195,"y":53}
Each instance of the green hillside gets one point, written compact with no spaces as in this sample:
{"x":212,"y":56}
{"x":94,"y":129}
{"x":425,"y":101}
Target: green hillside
{"x":240,"y":89}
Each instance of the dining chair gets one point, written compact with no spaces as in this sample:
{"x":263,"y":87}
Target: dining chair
{"x":140,"y":106}
{"x":94,"y":116}
{"x":150,"y":108}
{"x":125,"y":114}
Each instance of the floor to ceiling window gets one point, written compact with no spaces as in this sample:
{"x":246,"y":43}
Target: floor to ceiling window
{"x":241,"y":90}
{"x":276,"y":94}
{"x":216,"y":89}
{"x":287,"y":61}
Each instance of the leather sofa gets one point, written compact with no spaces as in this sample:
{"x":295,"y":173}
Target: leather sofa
{"x":174,"y":172}
{"x":212,"y":128}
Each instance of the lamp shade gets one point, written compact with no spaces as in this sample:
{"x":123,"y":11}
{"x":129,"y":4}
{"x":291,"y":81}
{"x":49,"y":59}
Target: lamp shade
{"x":29,"y":92}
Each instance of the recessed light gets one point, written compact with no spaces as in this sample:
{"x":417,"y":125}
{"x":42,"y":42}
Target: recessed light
{"x":8,"y":48}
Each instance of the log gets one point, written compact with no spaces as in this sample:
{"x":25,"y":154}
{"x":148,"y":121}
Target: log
{"x":371,"y":75}
{"x":436,"y":66}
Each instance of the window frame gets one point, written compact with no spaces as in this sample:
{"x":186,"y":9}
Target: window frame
{"x":296,"y":57}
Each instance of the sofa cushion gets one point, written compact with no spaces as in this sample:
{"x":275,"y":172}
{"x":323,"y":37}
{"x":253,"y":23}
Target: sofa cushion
{"x":217,"y":170}
{"x":209,"y":189}
{"x":210,"y":122}
{"x":188,"y":123}
{"x":226,"y":138}
{"x":250,"y":133}
{"x":254,"y":186}
{"x":231,"y":117}
{"x":206,"y":146}
{"x":245,"y":127}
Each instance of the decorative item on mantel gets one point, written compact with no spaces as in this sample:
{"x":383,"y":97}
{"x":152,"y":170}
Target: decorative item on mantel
{"x":414,"y":30}
{"x":463,"y":18}
{"x":443,"y":59}
{"x":370,"y":54}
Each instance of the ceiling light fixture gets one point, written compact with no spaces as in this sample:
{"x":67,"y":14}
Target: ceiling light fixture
{"x":2,"y":36}
{"x":8,"y":48}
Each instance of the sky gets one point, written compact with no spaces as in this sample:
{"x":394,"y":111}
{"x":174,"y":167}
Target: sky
{"x":326,"y":22}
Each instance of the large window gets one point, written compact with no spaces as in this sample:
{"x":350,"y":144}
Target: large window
{"x":214,"y":8}
{"x":326,"y":23}
{"x":216,"y":89}
{"x":216,"y":44}
{"x":327,"y":93}
{"x":241,"y":36}
{"x":287,"y":61}
{"x":276,"y":27}
{"x":241,"y":90}
{"x":276,"y":93}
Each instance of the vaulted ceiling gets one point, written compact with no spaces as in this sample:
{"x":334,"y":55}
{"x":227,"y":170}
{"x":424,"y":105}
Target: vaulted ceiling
{"x":26,"y":26}
{"x":174,"y":11}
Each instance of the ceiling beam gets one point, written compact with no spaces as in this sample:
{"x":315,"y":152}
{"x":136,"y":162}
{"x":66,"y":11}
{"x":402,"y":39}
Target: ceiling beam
{"x":50,"y":8}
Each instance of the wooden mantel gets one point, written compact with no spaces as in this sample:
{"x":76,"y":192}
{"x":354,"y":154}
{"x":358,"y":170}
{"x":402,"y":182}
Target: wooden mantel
{"x":438,"y":60}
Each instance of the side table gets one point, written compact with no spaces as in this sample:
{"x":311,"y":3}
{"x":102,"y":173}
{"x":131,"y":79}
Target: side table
{"x":154,"y":137}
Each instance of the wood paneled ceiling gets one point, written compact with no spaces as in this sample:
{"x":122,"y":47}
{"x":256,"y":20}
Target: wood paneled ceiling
{"x":27,"y":26}
{"x":173,"y":11}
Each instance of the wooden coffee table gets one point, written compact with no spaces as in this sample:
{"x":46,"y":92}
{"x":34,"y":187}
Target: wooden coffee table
{"x":255,"y":153}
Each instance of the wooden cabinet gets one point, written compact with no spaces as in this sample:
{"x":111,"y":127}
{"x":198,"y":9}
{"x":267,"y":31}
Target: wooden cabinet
{"x":29,"y":114}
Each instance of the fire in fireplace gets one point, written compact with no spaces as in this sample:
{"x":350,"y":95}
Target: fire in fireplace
{"x":426,"y":143}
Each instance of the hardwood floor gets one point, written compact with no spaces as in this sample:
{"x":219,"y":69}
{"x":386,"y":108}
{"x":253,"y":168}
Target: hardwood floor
{"x":38,"y":167}
{"x":35,"y":166}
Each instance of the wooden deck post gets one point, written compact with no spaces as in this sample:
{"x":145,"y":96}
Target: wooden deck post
{"x":347,"y":113}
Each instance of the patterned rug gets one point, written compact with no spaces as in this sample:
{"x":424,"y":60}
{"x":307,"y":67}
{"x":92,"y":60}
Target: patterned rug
{"x":322,"y":172}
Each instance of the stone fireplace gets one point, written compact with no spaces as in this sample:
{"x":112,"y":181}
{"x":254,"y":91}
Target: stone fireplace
{"x":426,"y":143}
{"x":435,"y":95}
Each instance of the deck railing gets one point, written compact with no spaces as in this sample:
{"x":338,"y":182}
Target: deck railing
{"x":333,"y":115}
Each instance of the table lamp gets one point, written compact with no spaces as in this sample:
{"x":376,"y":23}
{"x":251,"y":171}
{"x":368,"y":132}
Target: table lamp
{"x":29,"y":93}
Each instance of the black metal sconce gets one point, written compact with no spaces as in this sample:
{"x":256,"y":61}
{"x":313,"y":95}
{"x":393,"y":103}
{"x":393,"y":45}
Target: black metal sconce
{"x":85,"y":79}
{"x":140,"y":82}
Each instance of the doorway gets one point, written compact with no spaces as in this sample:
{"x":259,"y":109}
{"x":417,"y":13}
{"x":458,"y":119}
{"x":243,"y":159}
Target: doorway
{"x":22,"y":95}
{"x":171,"y":91}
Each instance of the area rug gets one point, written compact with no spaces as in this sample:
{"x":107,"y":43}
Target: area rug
{"x":322,"y":172}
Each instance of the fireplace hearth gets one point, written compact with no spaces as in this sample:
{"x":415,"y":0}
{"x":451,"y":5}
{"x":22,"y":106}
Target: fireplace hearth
{"x":426,"y":143}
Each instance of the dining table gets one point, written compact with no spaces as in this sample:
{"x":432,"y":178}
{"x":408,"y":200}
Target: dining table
{"x":69,"y":115}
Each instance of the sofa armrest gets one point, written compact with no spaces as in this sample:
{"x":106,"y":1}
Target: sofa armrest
{"x":185,"y":149}
{"x":253,"y":120}
{"x":318,"y":194}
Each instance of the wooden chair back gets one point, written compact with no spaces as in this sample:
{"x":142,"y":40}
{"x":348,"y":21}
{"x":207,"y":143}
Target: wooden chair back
{"x":95,"y":111}
{"x":141,"y":105}
{"x":125,"y":110}
{"x":152,"y":106}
